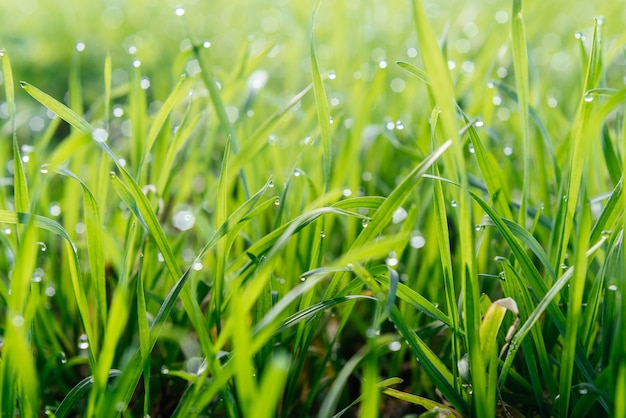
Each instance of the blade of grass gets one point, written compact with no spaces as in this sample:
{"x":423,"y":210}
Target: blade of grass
{"x":20,"y":186}
{"x":577,"y":287}
{"x":321,"y":102}
{"x":520,"y":65}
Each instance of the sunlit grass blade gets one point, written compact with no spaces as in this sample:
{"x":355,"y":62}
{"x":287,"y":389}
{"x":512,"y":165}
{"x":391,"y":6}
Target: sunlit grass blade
{"x":429,"y":404}
{"x":581,"y":135}
{"x":57,"y":107}
{"x":22,"y":200}
{"x":321,"y":102}
{"x":93,"y":229}
{"x":160,"y":119}
{"x":520,"y":64}
{"x":576,"y":289}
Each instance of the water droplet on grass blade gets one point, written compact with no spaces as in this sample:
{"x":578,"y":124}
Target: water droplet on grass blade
{"x":277,"y":201}
{"x":417,"y":241}
{"x":453,"y":204}
{"x":394,"y":346}
{"x":365,"y":223}
{"x":17,"y":321}
{"x":184,"y":220}
{"x":164,"y":370}
{"x":588,"y":97}
{"x":399,"y":215}
{"x":612,"y":288}
{"x":180,"y":11}
{"x":100,"y":135}
{"x":322,"y":234}
{"x":80,"y":46}
{"x":83,"y":342}
{"x":44,"y":169}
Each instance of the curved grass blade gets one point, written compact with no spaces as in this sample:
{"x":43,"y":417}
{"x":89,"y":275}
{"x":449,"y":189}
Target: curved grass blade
{"x":22,"y":200}
{"x":79,"y":391}
{"x":520,"y":64}
{"x":321,"y":103}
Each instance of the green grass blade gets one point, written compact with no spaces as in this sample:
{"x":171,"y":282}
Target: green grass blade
{"x":159,"y":120}
{"x":77,"y":393}
{"x":321,"y":102}
{"x":57,"y":107}
{"x":22,"y":201}
{"x":577,"y":287}
{"x":520,"y":65}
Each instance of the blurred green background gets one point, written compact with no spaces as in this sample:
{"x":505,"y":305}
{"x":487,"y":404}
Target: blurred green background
{"x":352,"y":35}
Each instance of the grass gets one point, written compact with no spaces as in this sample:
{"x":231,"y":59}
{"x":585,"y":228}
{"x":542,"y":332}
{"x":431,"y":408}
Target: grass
{"x":324,"y":210}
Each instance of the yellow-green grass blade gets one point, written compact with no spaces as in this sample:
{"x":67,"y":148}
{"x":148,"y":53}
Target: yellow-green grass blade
{"x":582,"y":133}
{"x":520,"y":65}
{"x":95,"y":248}
{"x":20,"y":186}
{"x":14,"y":218}
{"x":135,"y":367}
{"x":144,"y":335}
{"x":116,"y":323}
{"x":159,"y":120}
{"x":271,"y":387}
{"x":321,"y":102}
{"x":576,"y":289}
{"x":442,"y":91}
{"x":221,"y":214}
{"x":429,"y":404}
{"x":19,"y":377}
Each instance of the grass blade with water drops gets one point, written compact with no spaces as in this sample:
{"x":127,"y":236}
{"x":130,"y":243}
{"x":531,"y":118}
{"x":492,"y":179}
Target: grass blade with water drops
{"x":520,"y":64}
{"x":576,"y":289}
{"x":321,"y":102}
{"x":20,"y":186}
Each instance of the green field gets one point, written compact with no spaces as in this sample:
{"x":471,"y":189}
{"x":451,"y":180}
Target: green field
{"x":312,"y":208}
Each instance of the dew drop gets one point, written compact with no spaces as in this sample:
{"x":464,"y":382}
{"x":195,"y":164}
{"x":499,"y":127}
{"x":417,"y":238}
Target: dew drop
{"x":44,"y":169}
{"x":394,"y":346}
{"x":277,"y":201}
{"x":270,"y":183}
{"x":332,"y":75}
{"x":365,"y":223}
{"x":164,"y":370}
{"x":508,"y":151}
{"x":479,"y":123}
{"x":136,"y":63}
{"x":453,"y":204}
{"x":297,"y":172}
{"x":303,"y":279}
{"x":583,"y":391}
{"x":17,"y":321}
{"x":63,"y":357}
{"x":80,"y":46}
{"x":612,"y":288}
{"x":564,"y":266}
{"x":417,"y":241}
{"x":392,"y":260}
{"x":83,"y":342}
{"x":54,"y":209}
{"x":372,"y":332}
{"x":7,"y":231}
{"x":180,"y":11}
{"x":42,"y":246}
{"x":100,"y":135}
{"x":579,"y":35}
{"x":206,"y":44}
{"x":184,"y":220}
{"x":322,"y":234}
{"x":588,"y":98}
{"x":346,"y":193}
{"x":399,"y":215}
{"x":50,"y":291}
{"x":197,"y":266}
